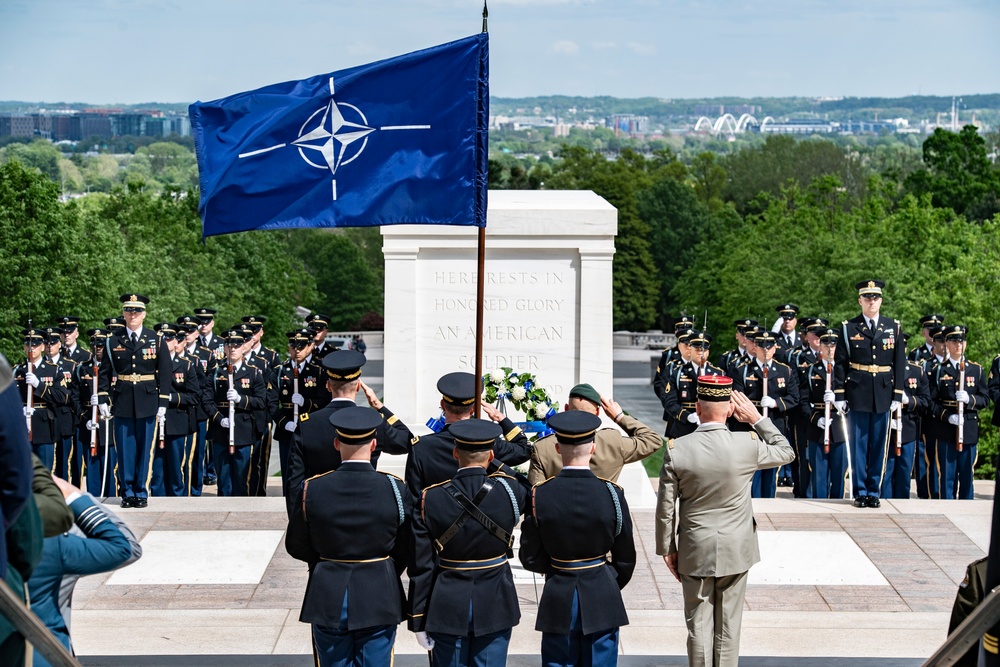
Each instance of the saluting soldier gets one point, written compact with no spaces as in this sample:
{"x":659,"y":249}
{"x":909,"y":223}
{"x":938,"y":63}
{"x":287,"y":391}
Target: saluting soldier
{"x":947,"y":393}
{"x":311,"y":453}
{"x":232,"y":453}
{"x":579,"y":535}
{"x":679,"y":400}
{"x":916,"y":400}
{"x":874,"y":357}
{"x":299,"y":383}
{"x":740,"y":352}
{"x":169,"y":460}
{"x":827,"y":463}
{"x":431,"y":461}
{"x":463,"y":603}
{"x":144,"y":370}
{"x":319,"y":325}
{"x":48,"y":391}
{"x":69,"y":459}
{"x":101,"y":460}
{"x":781,"y":398}
{"x":353,"y":528}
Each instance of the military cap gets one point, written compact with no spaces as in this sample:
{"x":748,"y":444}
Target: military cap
{"x":683,"y":322}
{"x":34,"y":336}
{"x":456,"y":388}
{"x":344,"y":365}
{"x":870,"y":287}
{"x":188,"y":319}
{"x":764,"y":339}
{"x":52,"y":334}
{"x":134,"y":301}
{"x":318,"y":321}
{"x":750,"y":332}
{"x":938,"y":333}
{"x":955,"y":332}
{"x":714,"y":388}
{"x":205,"y":314}
{"x":98,"y":334}
{"x":476,"y":435}
{"x":817,"y":325}
{"x":356,"y":425}
{"x":828,"y":336}
{"x":788,"y":310}
{"x":69,"y":322}
{"x":699,"y":339}
{"x":574,"y":427}
{"x":186,"y":327}
{"x":299,"y":336}
{"x":931,"y":321}
{"x":165,"y":328}
{"x":114,"y":322}
{"x":744,"y":324}
{"x":684,"y":335}
{"x":587,"y":392}
{"x":233,"y":337}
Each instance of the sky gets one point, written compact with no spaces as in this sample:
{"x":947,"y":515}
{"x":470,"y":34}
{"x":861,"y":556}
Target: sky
{"x":132,"y":51}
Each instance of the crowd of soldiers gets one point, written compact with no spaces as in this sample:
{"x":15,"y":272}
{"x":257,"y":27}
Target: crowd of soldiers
{"x":848,"y":397}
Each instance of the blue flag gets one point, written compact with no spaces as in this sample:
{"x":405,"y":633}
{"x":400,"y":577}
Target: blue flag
{"x":402,"y":140}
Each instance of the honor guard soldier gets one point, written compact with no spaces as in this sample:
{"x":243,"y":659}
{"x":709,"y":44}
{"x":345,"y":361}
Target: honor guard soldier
{"x":207,"y":337}
{"x":800,"y":360}
{"x":143,"y":370}
{"x":669,"y":355}
{"x":268,"y":361}
{"x":233,"y":438}
{"x":928,"y":323}
{"x":319,"y":325}
{"x":353,"y":528}
{"x":874,"y":357}
{"x":679,"y":400}
{"x":958,"y":393}
{"x":787,"y":335}
{"x":70,"y":325}
{"x":779,"y":398}
{"x":931,"y":428}
{"x":735,"y":355}
{"x":301,"y":390}
{"x":737,"y":362}
{"x":826,"y":437}
{"x":665,"y":376}
{"x":612,"y":450}
{"x":579,"y":535}
{"x":194,"y":453}
{"x":431,"y":460}
{"x":311,"y":453}
{"x":899,"y":462}
{"x":922,"y":355}
{"x":99,"y":451}
{"x":210,"y":351}
{"x":69,"y":460}
{"x":43,"y":389}
{"x":463,"y":603}
{"x":178,"y":425}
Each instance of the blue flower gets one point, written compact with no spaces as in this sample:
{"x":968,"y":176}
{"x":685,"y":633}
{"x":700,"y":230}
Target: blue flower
{"x":528,"y":384}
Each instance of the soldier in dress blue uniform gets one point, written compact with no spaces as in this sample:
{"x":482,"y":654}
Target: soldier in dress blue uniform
{"x":69,"y":460}
{"x":463,"y":603}
{"x":925,"y":355}
{"x":577,"y":520}
{"x":789,"y":342}
{"x":680,"y":397}
{"x":187,"y":339}
{"x":682,"y":325}
{"x":143,"y":369}
{"x":353,"y":528}
{"x":268,"y":361}
{"x":799,"y":360}
{"x":319,"y":325}
{"x":827,"y":465}
{"x":169,"y":460}
{"x":431,"y":461}
{"x":782,"y":397}
{"x":311,"y":453}
{"x":922,"y":353}
{"x":947,"y":393}
{"x":247,"y":394}
{"x":931,"y":426}
{"x":916,"y":400}
{"x":70,"y":326}
{"x":101,"y":460}
{"x":49,"y":391}
{"x":749,"y":355}
{"x":299,"y":383}
{"x":734,"y":355}
{"x":874,"y":356}
{"x":216,"y":349}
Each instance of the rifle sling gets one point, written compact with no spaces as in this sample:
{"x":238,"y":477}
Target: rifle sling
{"x":471,"y":509}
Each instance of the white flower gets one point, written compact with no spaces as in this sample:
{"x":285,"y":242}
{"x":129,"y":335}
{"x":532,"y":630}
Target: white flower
{"x":541,"y":410}
{"x":518,"y":393}
{"x":528,"y":407}
{"x":497,"y":376}
{"x":514,"y":379}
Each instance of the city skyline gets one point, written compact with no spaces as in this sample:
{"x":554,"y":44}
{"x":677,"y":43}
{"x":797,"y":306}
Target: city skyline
{"x":127,"y":52}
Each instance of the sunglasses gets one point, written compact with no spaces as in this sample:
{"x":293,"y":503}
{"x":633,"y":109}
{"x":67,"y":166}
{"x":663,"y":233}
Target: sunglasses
{"x":132,"y":309}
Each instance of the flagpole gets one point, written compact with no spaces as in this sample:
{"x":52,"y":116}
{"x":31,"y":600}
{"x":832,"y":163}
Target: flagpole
{"x":480,"y":293}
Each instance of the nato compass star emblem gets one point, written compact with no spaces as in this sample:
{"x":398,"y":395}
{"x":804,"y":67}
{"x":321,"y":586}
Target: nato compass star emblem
{"x":328,"y":140}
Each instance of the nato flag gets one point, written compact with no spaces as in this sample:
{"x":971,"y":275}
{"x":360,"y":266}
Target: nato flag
{"x":402,"y":140}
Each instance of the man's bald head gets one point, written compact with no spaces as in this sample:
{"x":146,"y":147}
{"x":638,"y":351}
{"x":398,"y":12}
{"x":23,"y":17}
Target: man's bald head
{"x":714,"y":411}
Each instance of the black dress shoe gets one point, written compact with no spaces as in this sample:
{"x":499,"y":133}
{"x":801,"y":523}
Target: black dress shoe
{"x":208,"y":481}
{"x":861,"y":501}
{"x":126,"y":502}
{"x":142,"y":502}
{"x":874,"y":502}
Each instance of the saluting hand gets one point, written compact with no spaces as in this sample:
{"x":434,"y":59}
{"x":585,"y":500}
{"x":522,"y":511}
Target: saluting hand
{"x":370,"y":396}
{"x":492,"y":413}
{"x":611,"y":408}
{"x":744,"y":409}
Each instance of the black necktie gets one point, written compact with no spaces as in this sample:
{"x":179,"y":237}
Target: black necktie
{"x":871,"y":324}
{"x":135,"y":337}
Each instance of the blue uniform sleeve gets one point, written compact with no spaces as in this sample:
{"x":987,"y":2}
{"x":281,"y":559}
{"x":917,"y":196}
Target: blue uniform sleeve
{"x":105,"y":548}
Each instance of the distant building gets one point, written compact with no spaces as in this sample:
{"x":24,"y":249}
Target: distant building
{"x":800,"y":126}
{"x":629,"y":124}
{"x":16,"y":126}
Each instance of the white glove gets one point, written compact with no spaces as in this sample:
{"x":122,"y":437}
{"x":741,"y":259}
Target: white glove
{"x":768,"y":402}
{"x":28,"y":411}
{"x":895,"y":405}
{"x":31,"y":379}
{"x":105,"y":410}
{"x":829,"y":396}
{"x":906,"y":398}
{"x":91,"y":426}
{"x":693,"y":418}
{"x":161,"y":412}
{"x":233,"y":395}
{"x":425,"y":642}
{"x":840,"y":405}
{"x":953,"y":420}
{"x":94,"y":400}
{"x":962,"y":396}
{"x":298,"y":400}
{"x":225,"y":422}
{"x":896,"y":424}
{"x":821,"y":423}
{"x":290,"y":426}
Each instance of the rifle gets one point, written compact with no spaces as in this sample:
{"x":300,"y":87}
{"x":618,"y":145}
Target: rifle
{"x":764,"y":373}
{"x":93,"y":409}
{"x":232,"y":415}
{"x":29,"y":398}
{"x":295,"y":390}
{"x":826,"y":409}
{"x":960,"y":439}
{"x":899,"y":431}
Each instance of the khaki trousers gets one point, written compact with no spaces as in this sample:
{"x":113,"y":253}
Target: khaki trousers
{"x":713,"y":611}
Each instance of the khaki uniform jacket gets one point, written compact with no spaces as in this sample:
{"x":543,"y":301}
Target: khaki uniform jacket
{"x":612,"y":452}
{"x":703,"y":510}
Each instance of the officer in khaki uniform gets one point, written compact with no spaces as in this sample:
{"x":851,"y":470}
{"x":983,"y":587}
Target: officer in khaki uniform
{"x":613,"y":449}
{"x":705,"y":528}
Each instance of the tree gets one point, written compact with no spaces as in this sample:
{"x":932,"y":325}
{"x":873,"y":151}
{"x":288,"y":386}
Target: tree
{"x":958,"y":174}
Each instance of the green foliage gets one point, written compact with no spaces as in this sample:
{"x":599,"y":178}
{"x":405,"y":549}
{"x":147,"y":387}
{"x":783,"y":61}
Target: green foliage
{"x":39,"y":154}
{"x":959,"y":174}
